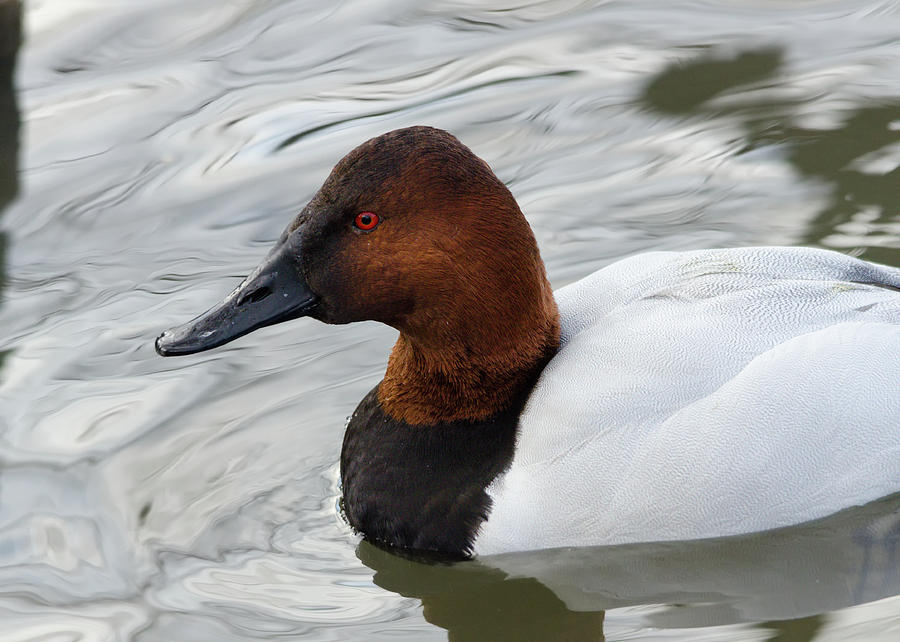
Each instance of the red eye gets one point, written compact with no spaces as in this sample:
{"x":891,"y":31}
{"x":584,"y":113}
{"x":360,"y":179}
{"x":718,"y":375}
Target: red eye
{"x":366,"y":220}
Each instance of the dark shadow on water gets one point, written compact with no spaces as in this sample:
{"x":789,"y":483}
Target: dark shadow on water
{"x":475,"y":602}
{"x":782,"y":582}
{"x":683,"y":88}
{"x":835,"y":156}
{"x":10,"y":39}
{"x":830,"y":156}
{"x":803,"y":629}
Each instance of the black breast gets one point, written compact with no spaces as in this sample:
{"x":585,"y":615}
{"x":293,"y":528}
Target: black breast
{"x":423,"y":487}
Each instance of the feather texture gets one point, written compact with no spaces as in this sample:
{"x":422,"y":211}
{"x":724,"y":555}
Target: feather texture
{"x":705,"y":394}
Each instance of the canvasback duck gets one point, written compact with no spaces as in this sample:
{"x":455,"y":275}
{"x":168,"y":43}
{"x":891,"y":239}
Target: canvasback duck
{"x":671,"y":395}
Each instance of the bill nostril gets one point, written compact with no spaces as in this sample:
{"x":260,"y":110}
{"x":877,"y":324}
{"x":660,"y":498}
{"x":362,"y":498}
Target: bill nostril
{"x":256,"y":295}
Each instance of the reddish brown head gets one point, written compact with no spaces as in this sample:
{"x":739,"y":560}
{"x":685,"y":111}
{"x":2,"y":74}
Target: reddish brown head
{"x":413,"y":230}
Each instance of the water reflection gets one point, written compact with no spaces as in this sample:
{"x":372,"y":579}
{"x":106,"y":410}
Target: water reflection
{"x":684,"y":87}
{"x":852,"y":155}
{"x":780,"y":581}
{"x":10,"y":39}
{"x":802,"y":629}
{"x":474,"y":601}
{"x":862,"y":189}
{"x":153,"y":181}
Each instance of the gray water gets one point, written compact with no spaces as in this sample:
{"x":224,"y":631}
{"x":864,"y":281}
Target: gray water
{"x":151,"y":151}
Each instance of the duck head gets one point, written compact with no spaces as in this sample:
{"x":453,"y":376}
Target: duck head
{"x":413,"y":230}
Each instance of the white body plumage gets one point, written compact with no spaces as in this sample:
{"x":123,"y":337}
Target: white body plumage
{"x":704,"y":394}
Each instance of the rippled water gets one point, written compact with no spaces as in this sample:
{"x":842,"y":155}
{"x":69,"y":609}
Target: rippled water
{"x":151,"y":151}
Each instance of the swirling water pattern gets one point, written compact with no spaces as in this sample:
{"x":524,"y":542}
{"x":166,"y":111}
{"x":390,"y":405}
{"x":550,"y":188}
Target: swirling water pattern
{"x":163,"y":145}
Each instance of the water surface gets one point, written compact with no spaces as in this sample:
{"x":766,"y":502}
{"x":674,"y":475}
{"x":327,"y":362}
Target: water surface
{"x":149,"y":154}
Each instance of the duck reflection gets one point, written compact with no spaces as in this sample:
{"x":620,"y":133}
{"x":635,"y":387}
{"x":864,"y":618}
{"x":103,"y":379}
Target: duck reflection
{"x":474,"y":601}
{"x":842,"y":157}
{"x":10,"y":39}
{"x":780,"y":581}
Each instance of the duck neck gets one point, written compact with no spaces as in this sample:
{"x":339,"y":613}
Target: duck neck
{"x":473,"y":368}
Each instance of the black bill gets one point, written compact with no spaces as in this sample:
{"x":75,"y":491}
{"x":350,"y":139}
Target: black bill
{"x":276,"y":291}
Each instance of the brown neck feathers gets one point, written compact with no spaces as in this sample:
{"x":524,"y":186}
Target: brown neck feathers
{"x":469,"y":363}
{"x":459,"y":274}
